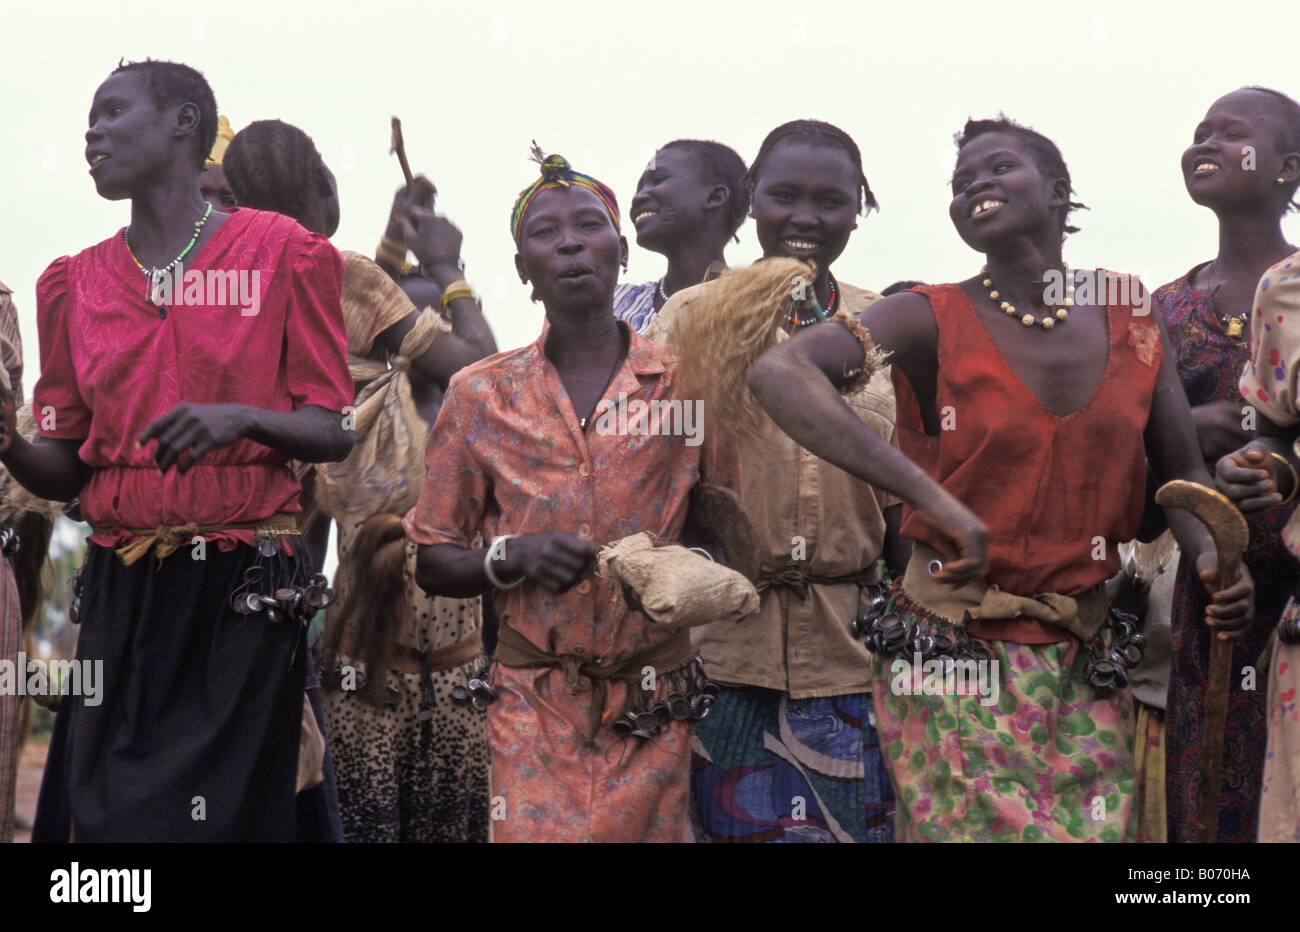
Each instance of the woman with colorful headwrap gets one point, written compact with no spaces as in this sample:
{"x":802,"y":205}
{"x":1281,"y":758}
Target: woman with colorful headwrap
{"x":519,"y":455}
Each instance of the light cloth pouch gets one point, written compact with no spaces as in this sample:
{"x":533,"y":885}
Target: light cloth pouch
{"x":676,"y":586}
{"x":385,"y":470}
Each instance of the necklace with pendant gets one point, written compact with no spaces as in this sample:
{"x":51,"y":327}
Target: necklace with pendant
{"x":822,"y":315}
{"x":156,"y":275}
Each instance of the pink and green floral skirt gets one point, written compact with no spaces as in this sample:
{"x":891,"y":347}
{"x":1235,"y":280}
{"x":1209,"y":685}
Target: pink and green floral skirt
{"x":1046,"y":761}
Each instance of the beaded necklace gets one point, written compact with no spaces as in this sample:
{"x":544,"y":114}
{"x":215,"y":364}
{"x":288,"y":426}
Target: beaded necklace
{"x":1029,"y":320}
{"x":793,"y":317}
{"x":156,"y":275}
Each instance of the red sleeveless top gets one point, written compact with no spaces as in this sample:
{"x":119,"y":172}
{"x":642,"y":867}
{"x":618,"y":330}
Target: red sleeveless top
{"x":1046,"y":486}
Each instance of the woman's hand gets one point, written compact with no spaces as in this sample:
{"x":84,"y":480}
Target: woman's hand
{"x":1248,"y":477}
{"x":189,"y":430}
{"x":1232,"y":609}
{"x":963,"y":539}
{"x":434,"y":239}
{"x":554,"y":559}
{"x":421,"y":192}
{"x":1218,"y":428}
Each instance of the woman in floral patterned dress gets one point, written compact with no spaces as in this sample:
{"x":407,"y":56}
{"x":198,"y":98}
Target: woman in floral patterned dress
{"x":1022,"y":466}
{"x":1237,"y":165}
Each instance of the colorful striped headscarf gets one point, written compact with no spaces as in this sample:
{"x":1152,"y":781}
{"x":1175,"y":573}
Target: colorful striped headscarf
{"x":557,"y":173}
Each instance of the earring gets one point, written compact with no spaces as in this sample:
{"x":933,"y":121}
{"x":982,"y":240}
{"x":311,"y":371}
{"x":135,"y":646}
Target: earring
{"x":1281,"y":181}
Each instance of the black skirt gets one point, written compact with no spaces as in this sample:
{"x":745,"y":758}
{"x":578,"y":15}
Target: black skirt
{"x":195,"y":734}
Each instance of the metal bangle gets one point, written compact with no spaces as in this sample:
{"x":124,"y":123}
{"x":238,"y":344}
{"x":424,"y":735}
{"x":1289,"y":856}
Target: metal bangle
{"x":491,"y":575}
{"x":702,"y":552}
{"x":1295,"y":477}
{"x":455,"y":291}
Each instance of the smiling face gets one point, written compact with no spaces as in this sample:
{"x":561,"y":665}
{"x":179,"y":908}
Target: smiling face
{"x":805,"y":202}
{"x":671,"y":199}
{"x":131,"y":142}
{"x":1217,"y":168}
{"x":569,"y":249}
{"x":999,"y":192}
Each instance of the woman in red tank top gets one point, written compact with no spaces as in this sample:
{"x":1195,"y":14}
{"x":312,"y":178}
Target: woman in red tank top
{"x":1030,"y":397}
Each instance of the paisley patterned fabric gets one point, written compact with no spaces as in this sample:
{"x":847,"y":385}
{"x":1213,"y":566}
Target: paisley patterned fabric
{"x":508,"y":456}
{"x":1210,"y":364}
{"x":768,"y":768}
{"x":1046,"y":762}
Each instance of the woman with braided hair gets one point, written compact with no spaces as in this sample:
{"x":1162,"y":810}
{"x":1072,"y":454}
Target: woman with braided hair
{"x":411,"y":763}
{"x":689,"y":202}
{"x":1026,"y":414}
{"x":790,"y":752}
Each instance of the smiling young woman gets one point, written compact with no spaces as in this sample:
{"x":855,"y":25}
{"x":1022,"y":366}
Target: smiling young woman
{"x":689,"y":202}
{"x":1244,"y":165}
{"x":1022,"y":449}
{"x":173,"y":425}
{"x":795,"y":697}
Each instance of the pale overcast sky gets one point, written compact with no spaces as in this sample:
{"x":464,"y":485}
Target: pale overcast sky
{"x":1119,"y":86}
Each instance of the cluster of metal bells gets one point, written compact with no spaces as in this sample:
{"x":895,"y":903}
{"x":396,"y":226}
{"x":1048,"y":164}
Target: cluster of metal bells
{"x":1107,"y":665}
{"x":478,"y":693}
{"x":9,"y":541}
{"x":886,"y":634}
{"x":288,"y":603}
{"x":678,"y":707}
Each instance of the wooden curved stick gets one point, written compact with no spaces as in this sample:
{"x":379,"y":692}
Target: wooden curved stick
{"x":398,"y":146}
{"x":1230,"y":533}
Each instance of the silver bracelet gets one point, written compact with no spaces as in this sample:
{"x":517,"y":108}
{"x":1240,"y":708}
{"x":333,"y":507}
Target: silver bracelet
{"x":702,"y":552}
{"x":498,"y":542}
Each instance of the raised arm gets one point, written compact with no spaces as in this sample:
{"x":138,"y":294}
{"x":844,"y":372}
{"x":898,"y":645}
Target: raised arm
{"x":436,"y":242}
{"x":797,"y":384}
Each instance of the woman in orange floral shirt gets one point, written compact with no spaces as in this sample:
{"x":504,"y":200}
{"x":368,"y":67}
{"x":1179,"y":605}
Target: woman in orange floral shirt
{"x":521,"y":454}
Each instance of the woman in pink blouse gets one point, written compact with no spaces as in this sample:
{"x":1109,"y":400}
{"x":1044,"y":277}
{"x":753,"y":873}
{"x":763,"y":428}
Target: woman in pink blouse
{"x":184,"y":361}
